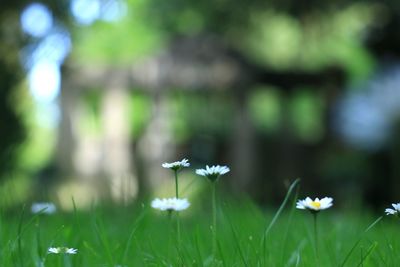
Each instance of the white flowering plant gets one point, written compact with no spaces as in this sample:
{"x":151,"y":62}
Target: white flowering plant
{"x":213,"y":172}
{"x":177,"y":165}
{"x":315,"y":205}
{"x":395,"y":210}
{"x":62,"y":250}
{"x":170,"y":204}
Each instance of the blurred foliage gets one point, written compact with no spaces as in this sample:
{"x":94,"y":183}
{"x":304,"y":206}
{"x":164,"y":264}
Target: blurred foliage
{"x":38,"y":148}
{"x":140,"y":113}
{"x":307,"y":116}
{"x":264,"y":105}
{"x":270,"y":36}
{"x":13,"y":132}
{"x":202,"y":114}
{"x":118,"y":43}
{"x":276,"y":35}
{"x":317,"y":40}
{"x":90,"y":115}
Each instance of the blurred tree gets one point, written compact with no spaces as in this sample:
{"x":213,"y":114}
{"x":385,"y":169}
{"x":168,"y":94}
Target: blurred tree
{"x":17,"y":113}
{"x":209,"y":46}
{"x":12,"y":131}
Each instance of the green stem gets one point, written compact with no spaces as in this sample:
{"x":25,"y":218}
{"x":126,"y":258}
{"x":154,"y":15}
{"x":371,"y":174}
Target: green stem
{"x":178,"y":225}
{"x":178,"y":228}
{"x":176,"y":184}
{"x":316,"y":239}
{"x":170,"y":231}
{"x":66,"y":260}
{"x":214,"y":226}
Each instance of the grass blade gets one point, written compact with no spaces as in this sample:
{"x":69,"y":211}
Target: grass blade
{"x":369,"y":251}
{"x":359,"y":240}
{"x":133,"y":231}
{"x":277,"y":214}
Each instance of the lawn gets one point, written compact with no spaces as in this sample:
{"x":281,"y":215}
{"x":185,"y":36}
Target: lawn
{"x":138,"y":235}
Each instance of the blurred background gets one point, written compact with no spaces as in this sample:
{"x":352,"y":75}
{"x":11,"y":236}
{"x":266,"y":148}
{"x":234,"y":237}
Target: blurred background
{"x":97,"y":94}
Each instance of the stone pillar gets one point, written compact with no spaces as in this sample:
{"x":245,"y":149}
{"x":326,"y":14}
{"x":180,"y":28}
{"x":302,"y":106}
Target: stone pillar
{"x":116,"y":146}
{"x":156,"y":146}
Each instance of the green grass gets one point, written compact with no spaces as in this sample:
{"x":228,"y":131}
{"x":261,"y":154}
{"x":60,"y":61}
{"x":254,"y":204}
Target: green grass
{"x":141,"y":236}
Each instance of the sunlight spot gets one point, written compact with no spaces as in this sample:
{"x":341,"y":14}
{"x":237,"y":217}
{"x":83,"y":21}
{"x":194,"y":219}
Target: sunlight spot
{"x":54,"y":47}
{"x":113,"y":10}
{"x":85,"y":12}
{"x":44,"y":81}
{"x":36,"y":20}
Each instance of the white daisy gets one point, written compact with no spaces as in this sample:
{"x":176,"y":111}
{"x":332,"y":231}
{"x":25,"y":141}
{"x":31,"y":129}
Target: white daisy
{"x":213,"y":172}
{"x":43,"y":208}
{"x":170,"y":204}
{"x":58,"y":250}
{"x":54,"y":250}
{"x":177,"y":165}
{"x":315,"y":205}
{"x":71,"y":250}
{"x":394,"y":211}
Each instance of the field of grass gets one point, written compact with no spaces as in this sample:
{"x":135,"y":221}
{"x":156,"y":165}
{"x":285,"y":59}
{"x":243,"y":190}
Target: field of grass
{"x":141,"y":236}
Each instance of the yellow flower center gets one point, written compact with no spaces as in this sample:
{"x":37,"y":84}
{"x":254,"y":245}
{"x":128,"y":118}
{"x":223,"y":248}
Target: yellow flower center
{"x":315,"y":204}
